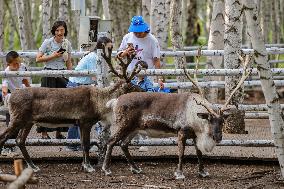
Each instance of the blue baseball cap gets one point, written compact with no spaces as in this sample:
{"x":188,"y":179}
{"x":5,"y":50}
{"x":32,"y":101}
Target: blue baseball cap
{"x":138,"y":25}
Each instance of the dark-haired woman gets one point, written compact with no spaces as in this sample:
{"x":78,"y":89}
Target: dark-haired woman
{"x":55,"y":52}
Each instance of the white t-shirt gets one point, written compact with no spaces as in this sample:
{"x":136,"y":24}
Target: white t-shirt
{"x":13,"y":83}
{"x":147,"y":49}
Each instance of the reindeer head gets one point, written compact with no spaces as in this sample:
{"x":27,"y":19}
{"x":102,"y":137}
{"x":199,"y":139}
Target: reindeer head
{"x":217,"y":117}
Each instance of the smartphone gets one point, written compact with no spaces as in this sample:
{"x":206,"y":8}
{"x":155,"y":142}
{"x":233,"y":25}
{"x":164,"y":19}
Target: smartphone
{"x":61,"y":50}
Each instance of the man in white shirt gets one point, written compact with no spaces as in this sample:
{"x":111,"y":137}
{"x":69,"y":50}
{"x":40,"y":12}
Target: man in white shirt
{"x":140,"y":41}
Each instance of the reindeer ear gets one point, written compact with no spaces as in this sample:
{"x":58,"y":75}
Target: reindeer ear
{"x":203,"y":115}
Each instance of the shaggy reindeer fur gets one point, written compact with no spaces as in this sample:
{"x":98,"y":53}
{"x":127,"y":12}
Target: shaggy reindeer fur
{"x":85,"y":104}
{"x":164,"y":115}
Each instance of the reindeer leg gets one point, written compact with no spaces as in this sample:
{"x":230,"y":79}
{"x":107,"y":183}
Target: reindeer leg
{"x":21,"y":139}
{"x":11,"y":130}
{"x":85,"y":129}
{"x":113,"y":140}
{"x":181,"y":146}
{"x":201,"y":171}
{"x":124,"y":146}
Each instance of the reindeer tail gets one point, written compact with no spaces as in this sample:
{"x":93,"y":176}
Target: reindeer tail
{"x":111,"y":103}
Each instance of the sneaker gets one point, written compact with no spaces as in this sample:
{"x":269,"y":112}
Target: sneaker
{"x":143,"y":149}
{"x":8,"y":151}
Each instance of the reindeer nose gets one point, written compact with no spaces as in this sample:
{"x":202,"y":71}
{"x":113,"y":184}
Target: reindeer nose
{"x":217,"y":137}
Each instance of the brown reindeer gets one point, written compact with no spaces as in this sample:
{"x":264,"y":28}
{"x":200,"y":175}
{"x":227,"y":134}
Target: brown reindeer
{"x":84,"y":104}
{"x":158,"y":115}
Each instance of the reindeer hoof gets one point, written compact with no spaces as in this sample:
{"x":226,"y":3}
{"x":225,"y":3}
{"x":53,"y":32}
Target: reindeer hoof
{"x":107,"y":172}
{"x":179,"y":175}
{"x":135,"y":170}
{"x":34,"y":168}
{"x":203,"y":174}
{"x":88,"y":168}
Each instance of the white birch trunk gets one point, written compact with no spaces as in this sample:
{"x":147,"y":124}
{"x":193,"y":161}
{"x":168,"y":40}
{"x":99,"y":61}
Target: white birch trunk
{"x":232,"y":46}
{"x":20,"y":14}
{"x":216,"y":42}
{"x":268,"y":87}
{"x":28,"y":25}
{"x":46,"y":12}
{"x":159,"y":23}
{"x":146,"y":8}
{"x":106,"y":9}
{"x":266,"y":20}
{"x":63,"y":11}
{"x":175,"y":15}
{"x":94,"y":8}
{"x":2,"y":10}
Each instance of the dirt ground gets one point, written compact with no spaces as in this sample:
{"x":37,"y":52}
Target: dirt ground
{"x":62,"y":169}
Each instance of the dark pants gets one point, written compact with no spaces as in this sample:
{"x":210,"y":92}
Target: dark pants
{"x":53,"y":82}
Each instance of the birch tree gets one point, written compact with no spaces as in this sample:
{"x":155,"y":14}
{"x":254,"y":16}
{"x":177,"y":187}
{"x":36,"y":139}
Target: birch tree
{"x":28,"y":24}
{"x":46,"y":16}
{"x":63,"y":11}
{"x":105,"y":4}
{"x":2,"y":30}
{"x":175,"y":14}
{"x":94,"y":8}
{"x":146,"y":8}
{"x":232,"y":46}
{"x":158,"y":22}
{"x":20,"y":14}
{"x":268,"y":86}
{"x":215,"y":42}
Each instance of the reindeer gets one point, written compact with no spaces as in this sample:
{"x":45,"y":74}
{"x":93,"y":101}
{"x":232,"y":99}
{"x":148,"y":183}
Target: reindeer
{"x":84,"y":104}
{"x":185,"y":115}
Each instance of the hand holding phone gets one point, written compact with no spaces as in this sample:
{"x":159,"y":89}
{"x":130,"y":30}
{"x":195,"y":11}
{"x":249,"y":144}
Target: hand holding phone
{"x":61,"y":50}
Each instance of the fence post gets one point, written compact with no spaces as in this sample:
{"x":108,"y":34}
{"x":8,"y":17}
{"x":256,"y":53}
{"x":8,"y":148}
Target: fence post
{"x":103,"y":81}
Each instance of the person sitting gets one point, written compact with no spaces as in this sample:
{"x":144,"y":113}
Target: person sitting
{"x":10,"y":84}
{"x":161,"y":88}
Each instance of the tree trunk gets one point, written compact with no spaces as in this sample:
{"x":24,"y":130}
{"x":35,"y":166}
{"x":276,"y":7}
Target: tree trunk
{"x":215,"y":42}
{"x":158,"y":22}
{"x":63,"y":11}
{"x":268,"y":86}
{"x":46,"y":12}
{"x":20,"y":13}
{"x":232,"y":46}
{"x":2,"y":33}
{"x":106,"y":9}
{"x":54,"y":11}
{"x":146,"y":8}
{"x":28,"y":25}
{"x":175,"y":15}
{"x":266,"y":20}
{"x":94,"y":8}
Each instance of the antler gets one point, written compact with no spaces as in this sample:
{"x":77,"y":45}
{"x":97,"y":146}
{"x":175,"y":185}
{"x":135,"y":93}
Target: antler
{"x":122,"y":64}
{"x":243,"y":78}
{"x":195,"y":82}
{"x":210,"y":110}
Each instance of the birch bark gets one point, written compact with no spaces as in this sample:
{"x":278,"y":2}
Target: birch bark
{"x":94,"y":8}
{"x":20,"y":14}
{"x":216,"y":42}
{"x":106,"y":9}
{"x":146,"y":8}
{"x":175,"y":14}
{"x":232,"y":47}
{"x":265,"y":74}
{"x":2,"y":32}
{"x":46,"y":17}
{"x":63,"y":11}
{"x":159,"y":23}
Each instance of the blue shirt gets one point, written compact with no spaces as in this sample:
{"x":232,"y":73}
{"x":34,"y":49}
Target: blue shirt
{"x":87,"y":63}
{"x":164,"y":90}
{"x":145,"y":84}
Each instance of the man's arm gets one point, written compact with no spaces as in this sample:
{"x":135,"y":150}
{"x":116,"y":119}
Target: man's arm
{"x":157,"y":63}
{"x":4,"y":91}
{"x":26,"y":82}
{"x":69,"y":62}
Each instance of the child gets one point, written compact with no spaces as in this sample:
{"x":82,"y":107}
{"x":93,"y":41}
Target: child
{"x":10,"y":84}
{"x":143,"y":81}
